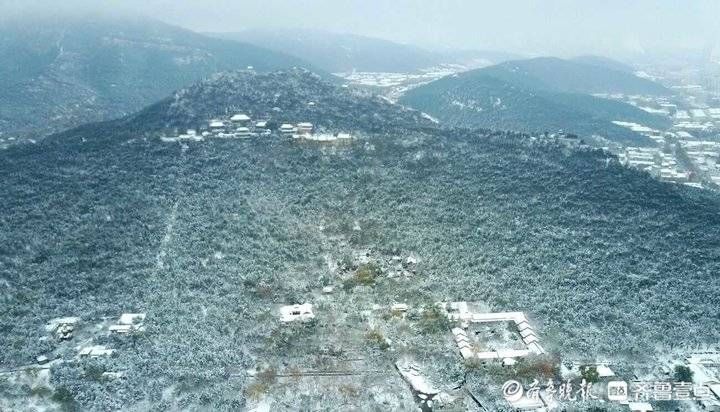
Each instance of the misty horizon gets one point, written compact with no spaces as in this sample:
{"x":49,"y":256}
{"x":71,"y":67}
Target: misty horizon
{"x":552,"y":28}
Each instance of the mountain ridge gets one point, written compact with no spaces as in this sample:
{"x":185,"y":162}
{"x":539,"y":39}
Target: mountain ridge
{"x":77,"y":70}
{"x":507,"y":96}
{"x":344,"y":53}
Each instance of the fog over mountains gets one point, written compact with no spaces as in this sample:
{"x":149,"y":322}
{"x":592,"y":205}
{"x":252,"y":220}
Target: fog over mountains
{"x":347,"y":52}
{"x":564,"y":28}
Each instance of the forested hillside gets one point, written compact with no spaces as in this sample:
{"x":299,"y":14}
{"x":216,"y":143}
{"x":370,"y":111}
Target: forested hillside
{"x":539,"y":95}
{"x":587,"y":75}
{"x":604,"y":62}
{"x":60,"y":72}
{"x":208,"y":238}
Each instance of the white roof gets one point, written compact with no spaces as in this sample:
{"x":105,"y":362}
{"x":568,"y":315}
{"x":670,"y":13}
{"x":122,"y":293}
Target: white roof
{"x":121,"y":328}
{"x":69,"y":320}
{"x":517,"y":317}
{"x":305,"y":125}
{"x":217,"y":123}
{"x":240,"y":118}
{"x":512,"y":353}
{"x":287,"y":126}
{"x":536,"y":348}
{"x":487,"y":355}
{"x":97,"y":350}
{"x":261,"y":124}
{"x":604,"y":371}
{"x":527,"y":332}
{"x":466,"y":353}
{"x":296,"y":312}
{"x":131,"y":318}
{"x":530,"y":339}
{"x":715,"y":388}
{"x":54,"y":323}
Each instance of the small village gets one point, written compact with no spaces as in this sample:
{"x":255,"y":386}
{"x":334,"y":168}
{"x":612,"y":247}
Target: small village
{"x":478,"y":337}
{"x":493,"y":344}
{"x":688,"y":152}
{"x":395,"y":84}
{"x":241,"y":126}
{"x":503,"y":339}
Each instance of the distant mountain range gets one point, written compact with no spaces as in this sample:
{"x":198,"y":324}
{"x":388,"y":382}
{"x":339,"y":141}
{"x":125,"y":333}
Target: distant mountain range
{"x":59,"y":73}
{"x":342,"y":53}
{"x":581,"y":75}
{"x":604,"y":62}
{"x":538,"y":95}
{"x":208,"y":238}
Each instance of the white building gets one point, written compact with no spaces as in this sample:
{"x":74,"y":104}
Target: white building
{"x":63,"y":328}
{"x":131,"y":318}
{"x":95,"y":351}
{"x":129,"y":322}
{"x":242,"y":132}
{"x":240,"y":119}
{"x":293,"y":313}
{"x":217,"y":125}
{"x":287,"y":129}
{"x":304,"y":128}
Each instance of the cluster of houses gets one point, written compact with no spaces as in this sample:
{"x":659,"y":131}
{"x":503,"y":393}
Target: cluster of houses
{"x":95,"y":351}
{"x":656,"y":135}
{"x":697,"y":119}
{"x":65,"y":328}
{"x":706,"y":371}
{"x":238,"y":126}
{"x":62,"y":328}
{"x":129,"y":323}
{"x":467,"y":315}
{"x":685,"y":115}
{"x":705,"y":157}
{"x":242,"y":126}
{"x":662,"y":165}
{"x":702,"y":164}
{"x":396,"y":84}
{"x":692,"y":120}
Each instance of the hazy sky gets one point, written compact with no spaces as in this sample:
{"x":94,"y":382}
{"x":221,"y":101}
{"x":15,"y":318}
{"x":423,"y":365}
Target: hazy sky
{"x":560,"y":27}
